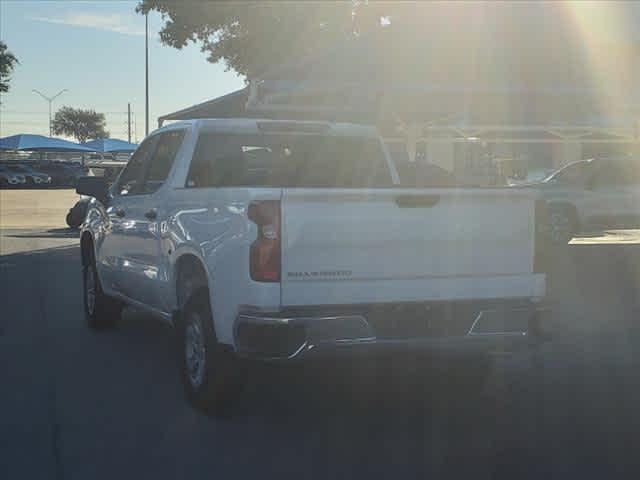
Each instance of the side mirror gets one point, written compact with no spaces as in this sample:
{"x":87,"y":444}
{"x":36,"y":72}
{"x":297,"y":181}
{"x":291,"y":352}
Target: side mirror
{"x":96,"y":187}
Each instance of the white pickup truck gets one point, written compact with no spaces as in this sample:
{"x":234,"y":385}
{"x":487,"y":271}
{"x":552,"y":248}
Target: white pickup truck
{"x":277,"y":240}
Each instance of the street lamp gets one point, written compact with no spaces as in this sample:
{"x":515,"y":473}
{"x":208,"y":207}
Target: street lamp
{"x":50,"y":100}
{"x":146,"y":74}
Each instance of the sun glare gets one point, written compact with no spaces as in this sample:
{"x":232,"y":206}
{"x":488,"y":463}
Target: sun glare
{"x":605,"y":30}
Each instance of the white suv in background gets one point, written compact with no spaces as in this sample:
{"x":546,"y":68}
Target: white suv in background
{"x":278,"y":240}
{"x":593,"y":194}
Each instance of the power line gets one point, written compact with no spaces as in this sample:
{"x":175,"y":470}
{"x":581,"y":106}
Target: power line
{"x":23,"y":122}
{"x":18,"y":112}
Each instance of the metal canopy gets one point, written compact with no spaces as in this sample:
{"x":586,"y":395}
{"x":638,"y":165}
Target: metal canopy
{"x":110,"y":145}
{"x":40,"y":143}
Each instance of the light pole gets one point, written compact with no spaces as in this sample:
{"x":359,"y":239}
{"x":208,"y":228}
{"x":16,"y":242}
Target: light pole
{"x":146,"y":74}
{"x":50,"y":100}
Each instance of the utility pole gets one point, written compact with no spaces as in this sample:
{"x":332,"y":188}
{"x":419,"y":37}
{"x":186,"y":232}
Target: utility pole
{"x":135,"y":130}
{"x":129,"y":121}
{"x":146,"y":74}
{"x":50,"y":100}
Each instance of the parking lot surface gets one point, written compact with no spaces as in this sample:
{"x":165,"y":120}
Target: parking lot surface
{"x":35,"y":208}
{"x":77,"y":404}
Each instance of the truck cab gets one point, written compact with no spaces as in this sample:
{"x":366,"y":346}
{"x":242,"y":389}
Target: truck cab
{"x":278,"y":240}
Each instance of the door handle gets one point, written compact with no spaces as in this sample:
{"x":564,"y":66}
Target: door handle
{"x":151,"y":214}
{"x":120,"y":212}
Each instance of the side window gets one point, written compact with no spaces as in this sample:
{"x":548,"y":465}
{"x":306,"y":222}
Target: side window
{"x":161,"y":160}
{"x":223,"y":160}
{"x":291,"y":160}
{"x":129,"y":180}
{"x":201,"y":168}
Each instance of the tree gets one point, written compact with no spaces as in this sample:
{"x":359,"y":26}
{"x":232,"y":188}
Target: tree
{"x":80,"y":124}
{"x":437,"y":42}
{"x":8,"y":62}
{"x":252,"y":36}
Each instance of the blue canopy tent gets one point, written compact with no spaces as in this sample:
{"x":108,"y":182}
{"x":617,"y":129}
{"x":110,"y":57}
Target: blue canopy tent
{"x":110,"y":145}
{"x":40,"y":143}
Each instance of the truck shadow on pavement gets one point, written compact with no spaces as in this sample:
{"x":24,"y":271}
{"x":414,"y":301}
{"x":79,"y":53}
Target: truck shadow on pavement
{"x":571,"y":407}
{"x":49,"y":233}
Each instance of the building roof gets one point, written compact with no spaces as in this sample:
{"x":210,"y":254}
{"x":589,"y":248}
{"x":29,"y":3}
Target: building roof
{"x":229,"y":105}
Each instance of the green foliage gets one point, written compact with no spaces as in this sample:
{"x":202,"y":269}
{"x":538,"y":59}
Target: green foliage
{"x":438,"y":42}
{"x":8,"y":62}
{"x":253,"y":36}
{"x":80,"y":124}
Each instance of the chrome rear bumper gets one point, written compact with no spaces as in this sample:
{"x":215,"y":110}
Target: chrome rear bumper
{"x":283,"y":336}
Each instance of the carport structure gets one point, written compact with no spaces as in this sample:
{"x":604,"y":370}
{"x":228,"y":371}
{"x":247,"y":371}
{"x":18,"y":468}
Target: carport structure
{"x":455,"y":142}
{"x":39,"y":143}
{"x":110,"y":145}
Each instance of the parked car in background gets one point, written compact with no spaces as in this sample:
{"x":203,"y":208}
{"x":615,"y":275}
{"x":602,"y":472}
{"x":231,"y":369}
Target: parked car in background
{"x":9,"y":178}
{"x":531,"y":177}
{"x":592,"y":194}
{"x":61,"y":174}
{"x":32,"y":177}
{"x":278,"y":240}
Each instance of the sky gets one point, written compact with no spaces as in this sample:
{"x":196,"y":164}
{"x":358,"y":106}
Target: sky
{"x":95,"y":49}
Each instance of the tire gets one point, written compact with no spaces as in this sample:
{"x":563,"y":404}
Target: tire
{"x":101,"y":312}
{"x":4,"y":183}
{"x":30,"y":182}
{"x":563,"y":224}
{"x":74,"y":219}
{"x":212,"y":375}
{"x":69,"y":220}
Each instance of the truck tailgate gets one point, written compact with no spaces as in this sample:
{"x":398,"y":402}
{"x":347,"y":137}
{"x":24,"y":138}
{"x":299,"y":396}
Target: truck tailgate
{"x":344,"y":246}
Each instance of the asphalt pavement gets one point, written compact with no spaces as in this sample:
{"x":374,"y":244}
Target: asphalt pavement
{"x":76,"y":404}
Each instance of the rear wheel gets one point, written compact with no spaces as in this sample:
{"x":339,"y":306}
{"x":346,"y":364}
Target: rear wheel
{"x":100,"y":310}
{"x":211,"y":373}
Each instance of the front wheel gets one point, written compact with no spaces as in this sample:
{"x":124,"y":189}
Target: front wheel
{"x":100,"y":311}
{"x":211,"y":373}
{"x":70,"y":222}
{"x":74,"y":219}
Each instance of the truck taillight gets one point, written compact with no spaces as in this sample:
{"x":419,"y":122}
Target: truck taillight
{"x":541,"y":258}
{"x":264,"y":256}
